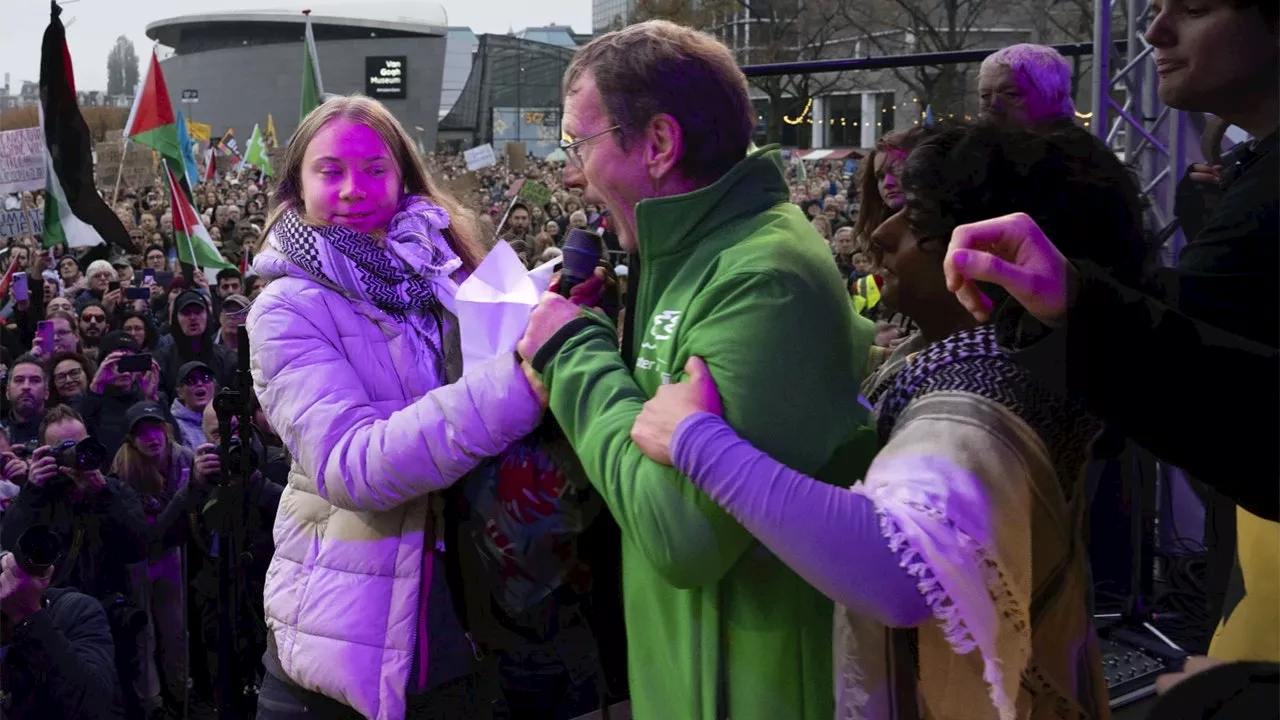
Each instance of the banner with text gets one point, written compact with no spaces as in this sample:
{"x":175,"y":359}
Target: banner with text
{"x":22,"y":165}
{"x":16,"y":223}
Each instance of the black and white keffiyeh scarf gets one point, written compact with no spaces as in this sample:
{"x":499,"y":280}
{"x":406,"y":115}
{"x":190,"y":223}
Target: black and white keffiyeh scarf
{"x":395,"y":276}
{"x":398,"y":275}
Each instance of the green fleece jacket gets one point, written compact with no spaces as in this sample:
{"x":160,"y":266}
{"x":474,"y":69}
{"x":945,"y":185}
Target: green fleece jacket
{"x":732,"y":273}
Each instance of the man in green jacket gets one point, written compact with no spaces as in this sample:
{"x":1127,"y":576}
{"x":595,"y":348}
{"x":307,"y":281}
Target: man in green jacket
{"x":730,"y":271}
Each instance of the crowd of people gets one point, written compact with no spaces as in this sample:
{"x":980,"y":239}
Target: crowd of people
{"x":788,"y":394}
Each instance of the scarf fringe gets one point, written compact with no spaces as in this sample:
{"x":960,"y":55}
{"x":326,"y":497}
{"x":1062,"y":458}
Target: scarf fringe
{"x":952,"y":623}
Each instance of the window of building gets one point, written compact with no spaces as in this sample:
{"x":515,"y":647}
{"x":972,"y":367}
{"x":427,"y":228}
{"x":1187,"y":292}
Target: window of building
{"x":844,"y":120}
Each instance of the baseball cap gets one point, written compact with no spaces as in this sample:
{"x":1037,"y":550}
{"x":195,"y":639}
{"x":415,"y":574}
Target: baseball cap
{"x":188,"y":298}
{"x":235,"y":303}
{"x":192,"y":366}
{"x":117,"y":340}
{"x":145,"y":410}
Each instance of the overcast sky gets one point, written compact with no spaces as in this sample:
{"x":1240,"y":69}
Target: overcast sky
{"x":99,"y":22}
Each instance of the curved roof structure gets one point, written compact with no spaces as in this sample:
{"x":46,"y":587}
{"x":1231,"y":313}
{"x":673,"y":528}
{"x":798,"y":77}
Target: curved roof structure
{"x":419,"y":17}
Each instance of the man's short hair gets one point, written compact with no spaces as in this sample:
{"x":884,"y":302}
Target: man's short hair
{"x":1044,"y":68}
{"x":228,"y":274}
{"x":658,"y":67}
{"x":29,"y":359}
{"x":55,"y":415}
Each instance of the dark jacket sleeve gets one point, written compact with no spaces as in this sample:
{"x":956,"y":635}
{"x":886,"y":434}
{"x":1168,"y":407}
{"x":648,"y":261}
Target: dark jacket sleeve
{"x":1194,"y":395}
{"x":171,"y":527}
{"x":1235,"y":691}
{"x":27,"y":509}
{"x":128,"y":532}
{"x":68,"y":649}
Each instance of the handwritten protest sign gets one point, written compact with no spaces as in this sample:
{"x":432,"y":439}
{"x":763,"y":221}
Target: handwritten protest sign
{"x":22,"y":165}
{"x":16,"y":223}
{"x":536,"y":193}
{"x":480,"y":157}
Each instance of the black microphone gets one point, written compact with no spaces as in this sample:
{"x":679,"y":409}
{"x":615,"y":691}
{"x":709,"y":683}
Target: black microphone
{"x":581,"y":254}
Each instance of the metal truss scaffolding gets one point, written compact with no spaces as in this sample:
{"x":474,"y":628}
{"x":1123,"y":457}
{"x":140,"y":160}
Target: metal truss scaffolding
{"x":1128,"y":115}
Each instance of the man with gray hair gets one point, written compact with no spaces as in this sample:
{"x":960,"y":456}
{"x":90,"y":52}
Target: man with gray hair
{"x":1026,"y":84}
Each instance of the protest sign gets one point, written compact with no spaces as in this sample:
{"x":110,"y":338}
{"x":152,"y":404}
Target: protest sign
{"x":480,"y":157}
{"x":16,"y":223}
{"x":536,"y":193}
{"x":22,"y":164}
{"x":516,"y":155}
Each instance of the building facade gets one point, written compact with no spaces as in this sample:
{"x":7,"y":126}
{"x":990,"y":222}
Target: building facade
{"x":243,"y":66}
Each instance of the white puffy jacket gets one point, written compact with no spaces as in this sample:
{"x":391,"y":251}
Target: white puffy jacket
{"x":347,"y":388}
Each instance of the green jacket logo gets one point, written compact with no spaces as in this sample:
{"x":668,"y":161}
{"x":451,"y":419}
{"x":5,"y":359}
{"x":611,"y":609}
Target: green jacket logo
{"x":662,"y":328}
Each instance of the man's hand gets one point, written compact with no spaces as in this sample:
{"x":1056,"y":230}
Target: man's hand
{"x":20,"y":593}
{"x":1207,"y":174}
{"x":106,"y":373}
{"x":1010,"y":251}
{"x":1193,"y":665}
{"x":207,"y":465}
{"x":535,"y":384}
{"x":552,"y":313}
{"x":44,"y":467}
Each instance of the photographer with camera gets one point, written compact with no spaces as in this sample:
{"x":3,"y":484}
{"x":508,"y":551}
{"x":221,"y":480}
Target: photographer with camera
{"x":56,"y":652}
{"x":258,"y":514}
{"x":97,"y":522}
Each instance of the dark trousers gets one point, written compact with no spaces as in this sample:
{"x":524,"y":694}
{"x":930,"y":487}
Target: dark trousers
{"x":454,"y":700}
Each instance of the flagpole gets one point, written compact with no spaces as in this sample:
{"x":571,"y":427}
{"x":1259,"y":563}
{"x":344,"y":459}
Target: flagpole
{"x":115,"y":194}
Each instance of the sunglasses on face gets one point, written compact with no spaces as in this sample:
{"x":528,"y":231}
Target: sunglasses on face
{"x":93,"y":318}
{"x":198,"y":378}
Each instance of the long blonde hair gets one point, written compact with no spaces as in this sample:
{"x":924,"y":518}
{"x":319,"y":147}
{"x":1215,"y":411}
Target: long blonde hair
{"x":462,"y":232}
{"x":137,"y":470}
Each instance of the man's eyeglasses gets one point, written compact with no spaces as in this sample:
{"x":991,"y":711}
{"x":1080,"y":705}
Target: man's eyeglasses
{"x":572,"y":150}
{"x":93,"y":318}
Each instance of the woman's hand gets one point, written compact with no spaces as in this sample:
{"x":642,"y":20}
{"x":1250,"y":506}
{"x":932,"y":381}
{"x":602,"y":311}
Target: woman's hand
{"x":1012,"y":252}
{"x":106,"y":373}
{"x":664,"y":412}
{"x":110,"y":299}
{"x":150,"y":385}
{"x":12,"y":468}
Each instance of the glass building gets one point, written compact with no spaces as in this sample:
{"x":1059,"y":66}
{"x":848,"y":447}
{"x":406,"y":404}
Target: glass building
{"x":605,"y":13}
{"x":511,"y":94}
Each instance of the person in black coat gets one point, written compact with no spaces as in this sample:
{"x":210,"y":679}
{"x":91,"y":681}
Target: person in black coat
{"x":60,"y":659}
{"x":192,"y":342}
{"x":98,"y":519}
{"x":111,"y":393}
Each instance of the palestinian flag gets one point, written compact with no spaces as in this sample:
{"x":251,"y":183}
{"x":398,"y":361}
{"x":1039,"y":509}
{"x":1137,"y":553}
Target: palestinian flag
{"x":153,"y":123}
{"x":195,"y":247}
{"x":73,"y":212}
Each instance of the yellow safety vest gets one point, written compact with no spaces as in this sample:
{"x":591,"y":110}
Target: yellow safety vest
{"x":866,"y":294}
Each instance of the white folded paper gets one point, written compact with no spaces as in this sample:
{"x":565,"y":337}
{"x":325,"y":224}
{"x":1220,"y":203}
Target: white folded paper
{"x":494,"y":304}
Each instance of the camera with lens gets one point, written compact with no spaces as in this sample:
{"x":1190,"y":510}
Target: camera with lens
{"x":38,"y":549}
{"x":24,"y":450}
{"x":82,"y":455}
{"x":127,"y":620}
{"x":236,"y":450}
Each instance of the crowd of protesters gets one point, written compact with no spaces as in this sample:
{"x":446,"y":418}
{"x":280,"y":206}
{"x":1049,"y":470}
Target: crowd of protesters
{"x":112,"y":359}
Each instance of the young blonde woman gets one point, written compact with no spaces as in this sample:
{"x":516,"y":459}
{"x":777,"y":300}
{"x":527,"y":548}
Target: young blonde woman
{"x":158,"y":469}
{"x":357,"y":363}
